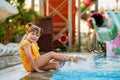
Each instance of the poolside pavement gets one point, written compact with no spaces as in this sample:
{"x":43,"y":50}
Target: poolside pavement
{"x":13,"y":73}
{"x":18,"y":73}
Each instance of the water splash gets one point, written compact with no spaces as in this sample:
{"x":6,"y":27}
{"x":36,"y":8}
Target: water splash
{"x":91,"y":69}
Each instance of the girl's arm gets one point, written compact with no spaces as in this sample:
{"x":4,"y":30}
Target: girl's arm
{"x":28,"y":52}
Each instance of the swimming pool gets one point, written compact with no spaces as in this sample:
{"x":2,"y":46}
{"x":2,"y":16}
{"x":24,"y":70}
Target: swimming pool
{"x":97,"y":69}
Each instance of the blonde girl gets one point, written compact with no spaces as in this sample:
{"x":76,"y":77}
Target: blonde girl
{"x":30,"y":56}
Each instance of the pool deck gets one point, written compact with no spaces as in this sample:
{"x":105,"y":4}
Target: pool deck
{"x":18,"y":72}
{"x":13,"y":73}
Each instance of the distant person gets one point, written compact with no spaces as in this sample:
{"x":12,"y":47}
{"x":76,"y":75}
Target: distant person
{"x":31,"y":58}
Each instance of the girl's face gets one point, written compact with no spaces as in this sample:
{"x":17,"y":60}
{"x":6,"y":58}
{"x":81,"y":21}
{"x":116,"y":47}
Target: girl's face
{"x":33,"y":36}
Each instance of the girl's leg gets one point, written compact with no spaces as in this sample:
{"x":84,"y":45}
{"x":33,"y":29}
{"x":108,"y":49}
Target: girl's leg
{"x":45,"y":58}
{"x":51,"y":66}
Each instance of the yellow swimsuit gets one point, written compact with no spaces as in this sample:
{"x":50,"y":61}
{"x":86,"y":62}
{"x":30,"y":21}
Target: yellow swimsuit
{"x":35,"y":54}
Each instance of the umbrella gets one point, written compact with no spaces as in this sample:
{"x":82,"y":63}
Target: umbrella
{"x":6,"y":10}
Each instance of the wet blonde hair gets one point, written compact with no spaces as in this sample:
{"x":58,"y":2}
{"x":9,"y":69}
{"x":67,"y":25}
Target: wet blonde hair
{"x":32,"y":28}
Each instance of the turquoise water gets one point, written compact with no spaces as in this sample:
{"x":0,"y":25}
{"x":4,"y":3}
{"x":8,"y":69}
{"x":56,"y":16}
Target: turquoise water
{"x":98,"y":69}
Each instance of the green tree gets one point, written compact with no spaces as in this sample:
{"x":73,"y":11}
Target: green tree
{"x":13,"y":28}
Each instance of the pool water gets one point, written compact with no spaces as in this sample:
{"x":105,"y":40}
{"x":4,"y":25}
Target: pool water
{"x":98,"y":69}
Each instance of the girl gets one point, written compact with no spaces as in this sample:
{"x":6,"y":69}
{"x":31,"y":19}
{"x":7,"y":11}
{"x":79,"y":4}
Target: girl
{"x":29,"y":53}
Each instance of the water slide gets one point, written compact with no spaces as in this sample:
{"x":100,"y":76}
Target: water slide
{"x":107,"y":30}
{"x":115,"y":16}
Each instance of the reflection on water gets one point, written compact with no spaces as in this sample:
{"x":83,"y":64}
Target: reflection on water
{"x":94,"y":69}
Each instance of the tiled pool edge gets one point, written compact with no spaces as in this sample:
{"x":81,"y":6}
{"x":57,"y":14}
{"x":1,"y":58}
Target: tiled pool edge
{"x":38,"y":76}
